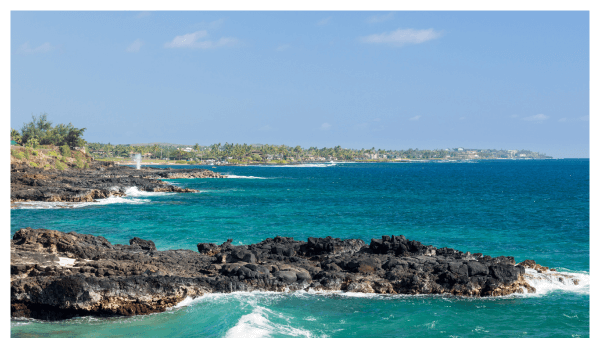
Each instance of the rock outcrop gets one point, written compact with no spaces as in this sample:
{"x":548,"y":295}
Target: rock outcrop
{"x":101,"y":180}
{"x":56,"y":275}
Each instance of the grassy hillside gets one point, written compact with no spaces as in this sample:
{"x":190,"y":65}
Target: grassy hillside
{"x":49,"y":157}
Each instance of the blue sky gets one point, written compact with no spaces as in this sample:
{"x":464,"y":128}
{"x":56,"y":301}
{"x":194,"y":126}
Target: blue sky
{"x":393,"y":80}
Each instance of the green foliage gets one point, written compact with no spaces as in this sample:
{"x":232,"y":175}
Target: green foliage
{"x":42,"y":130}
{"x":26,"y":153}
{"x":32,"y":142}
{"x":47,"y":166}
{"x":15,"y":136}
{"x":87,"y":165}
{"x":34,"y":153}
{"x":33,"y":164}
{"x":60,"y":165}
{"x":53,"y":153}
{"x":181,"y":162}
{"x":14,"y":152}
{"x":65,"y":150}
{"x":79,"y":163}
{"x":19,"y":155}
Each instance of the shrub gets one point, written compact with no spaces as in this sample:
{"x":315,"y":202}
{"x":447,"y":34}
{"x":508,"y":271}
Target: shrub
{"x":33,"y":164}
{"x":34,"y":153}
{"x":47,"y":166}
{"x":65,"y":150}
{"x":14,"y":152}
{"x":60,"y":165}
{"x":87,"y":165}
{"x":181,"y":162}
{"x":20,"y":155}
{"x":26,"y":154}
{"x":79,"y":163}
{"x":32,"y":142}
{"x":53,"y":153}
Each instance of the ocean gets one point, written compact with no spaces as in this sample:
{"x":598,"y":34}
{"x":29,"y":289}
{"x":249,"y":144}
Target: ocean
{"x":529,"y":209}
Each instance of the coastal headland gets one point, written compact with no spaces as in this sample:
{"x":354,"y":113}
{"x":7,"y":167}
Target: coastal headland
{"x":57,"y":275}
{"x":99,"y":180}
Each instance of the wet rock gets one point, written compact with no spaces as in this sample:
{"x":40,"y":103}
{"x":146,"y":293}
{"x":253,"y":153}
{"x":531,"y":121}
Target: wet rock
{"x":103,"y":279}
{"x":98,"y":182}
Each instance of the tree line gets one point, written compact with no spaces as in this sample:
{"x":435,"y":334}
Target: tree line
{"x":39,"y":131}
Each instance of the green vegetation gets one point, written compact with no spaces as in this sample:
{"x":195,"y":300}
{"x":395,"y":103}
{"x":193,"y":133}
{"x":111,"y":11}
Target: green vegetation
{"x":79,"y":163}
{"x":15,"y":136}
{"x":65,"y":150}
{"x":265,"y":153}
{"x":26,"y":153}
{"x":32,"y":142}
{"x":34,"y":153}
{"x":47,"y":166}
{"x":53,"y":153}
{"x":33,"y":164}
{"x":41,"y":131}
{"x":181,"y":162}
{"x":60,"y":165}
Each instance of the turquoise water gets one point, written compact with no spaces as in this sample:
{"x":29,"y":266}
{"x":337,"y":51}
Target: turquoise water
{"x":527,"y":209}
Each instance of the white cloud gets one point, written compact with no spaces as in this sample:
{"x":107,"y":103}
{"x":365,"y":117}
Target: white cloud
{"x":135,"y":46}
{"x":216,"y":24}
{"x":562,"y":120}
{"x":401,"y":37}
{"x":324,"y":21}
{"x":43,"y":48}
{"x":380,"y":18}
{"x":195,"y":40}
{"x":415,"y":118}
{"x":536,"y":118}
{"x":281,"y":48}
{"x":325,"y":126}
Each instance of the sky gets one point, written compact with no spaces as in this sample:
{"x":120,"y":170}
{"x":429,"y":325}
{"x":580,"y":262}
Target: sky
{"x":389,"y":80}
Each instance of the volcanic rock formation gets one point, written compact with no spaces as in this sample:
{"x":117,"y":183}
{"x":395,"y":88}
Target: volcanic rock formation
{"x":56,"y":275}
{"x":101,"y":180}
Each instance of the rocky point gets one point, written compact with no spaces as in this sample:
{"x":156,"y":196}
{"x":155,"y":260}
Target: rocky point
{"x":56,"y":275}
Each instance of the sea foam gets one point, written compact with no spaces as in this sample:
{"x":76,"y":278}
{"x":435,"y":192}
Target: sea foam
{"x":248,"y":177}
{"x":132,"y":196}
{"x":563,"y":280}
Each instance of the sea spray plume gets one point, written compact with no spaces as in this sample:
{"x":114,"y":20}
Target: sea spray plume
{"x":138,"y":159}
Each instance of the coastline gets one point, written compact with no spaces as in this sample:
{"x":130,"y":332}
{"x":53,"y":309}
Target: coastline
{"x":56,"y":275}
{"x":102,"y":180}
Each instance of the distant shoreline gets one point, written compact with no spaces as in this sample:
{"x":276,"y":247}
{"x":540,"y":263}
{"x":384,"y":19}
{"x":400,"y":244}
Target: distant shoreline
{"x":341,"y":162}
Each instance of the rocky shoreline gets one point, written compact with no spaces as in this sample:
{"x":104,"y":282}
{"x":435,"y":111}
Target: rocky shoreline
{"x":56,"y":275}
{"x":101,"y":180}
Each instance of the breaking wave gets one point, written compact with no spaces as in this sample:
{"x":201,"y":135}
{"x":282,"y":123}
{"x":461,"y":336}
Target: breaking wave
{"x":564,"y":280}
{"x":132,"y":196}
{"x":249,"y":177}
{"x":258,"y":324}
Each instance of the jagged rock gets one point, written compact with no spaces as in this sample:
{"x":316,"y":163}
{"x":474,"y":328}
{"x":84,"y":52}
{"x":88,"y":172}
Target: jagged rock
{"x":56,"y":275}
{"x":97,"y":182}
